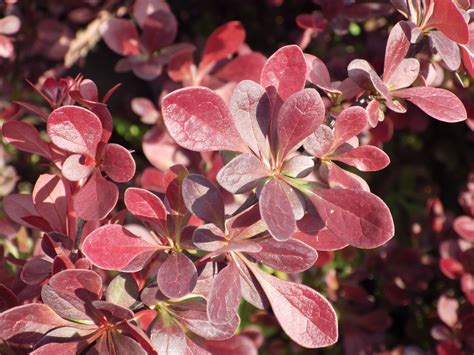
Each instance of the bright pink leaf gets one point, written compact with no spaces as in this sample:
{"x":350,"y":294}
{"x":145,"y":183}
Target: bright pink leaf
{"x":198,"y":119}
{"x":118,"y":163}
{"x":112,"y":247}
{"x":25,"y":137}
{"x":75,"y":129}
{"x":276,"y":210}
{"x":299,"y":116}
{"x":464,"y":226}
{"x":304,"y":314}
{"x":177,"y":276}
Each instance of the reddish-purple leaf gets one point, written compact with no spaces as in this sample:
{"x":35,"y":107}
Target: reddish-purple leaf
{"x":289,"y":256}
{"x":446,"y":49}
{"x":146,"y":206}
{"x":75,"y":129}
{"x":26,"y":325}
{"x":304,"y":314}
{"x":224,"y":297}
{"x":349,"y":123}
{"x":203,"y":199}
{"x":20,"y":208}
{"x":320,"y":142}
{"x":244,"y":67}
{"x":464,"y":226}
{"x":25,"y":137}
{"x":398,"y":43}
{"x":51,"y":198}
{"x":237,"y":345}
{"x":159,"y":30}
{"x":404,"y":74}
{"x":77,"y":167}
{"x":167,"y":337}
{"x":276,"y":210}
{"x":209,"y":238}
{"x":96,"y":198}
{"x":121,"y":36}
{"x":318,"y":73}
{"x":70,"y":293}
{"x":198,"y":119}
{"x":35,"y":271}
{"x":112,"y":247}
{"x":177,"y":276}
{"x":323,"y":240}
{"x":250,"y":289}
{"x":225,"y":40}
{"x":250,"y":108}
{"x":284,"y":73}
{"x":438,"y":103}
{"x":365,"y":158}
{"x":356,"y":217}
{"x":340,"y":178}
{"x":116,"y":343}
{"x":7,"y":298}
{"x":298,"y":166}
{"x":299,"y":116}
{"x":242,"y":173}
{"x":448,"y":19}
{"x":118,"y":163}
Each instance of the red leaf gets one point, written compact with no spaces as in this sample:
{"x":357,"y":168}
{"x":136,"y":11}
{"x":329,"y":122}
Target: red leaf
{"x":237,"y":345}
{"x":146,"y":206}
{"x":26,"y":325}
{"x":96,"y":198}
{"x":75,"y":129}
{"x":304,"y":314}
{"x":244,"y":67}
{"x":21,"y":210}
{"x":323,"y":240}
{"x":448,"y":19}
{"x":167,"y":337}
{"x":242,"y":174}
{"x":276,"y":210}
{"x":289,"y":256}
{"x":299,"y":116}
{"x":112,"y":247}
{"x":365,"y":158}
{"x":398,"y":43}
{"x":177,"y":276}
{"x":224,"y":297}
{"x":349,"y":123}
{"x":356,"y":217}
{"x":199,"y":120}
{"x":203,"y":199}
{"x":250,"y":108}
{"x":121,"y":36}
{"x":25,"y":137}
{"x":284,"y":73}
{"x":340,"y":178}
{"x":51,"y":197}
{"x":464,"y":226}
{"x":225,"y":40}
{"x":118,"y":163}
{"x":438,"y":103}
{"x":70,"y":293}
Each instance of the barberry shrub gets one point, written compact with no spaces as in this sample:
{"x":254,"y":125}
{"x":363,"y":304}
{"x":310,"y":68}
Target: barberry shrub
{"x":256,"y":180}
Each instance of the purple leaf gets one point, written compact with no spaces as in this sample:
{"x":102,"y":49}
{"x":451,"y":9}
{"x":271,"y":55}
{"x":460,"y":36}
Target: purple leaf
{"x":20,"y":208}
{"x":304,"y":314}
{"x":167,"y":337}
{"x":35,"y":271}
{"x":118,"y":163}
{"x":96,"y":198}
{"x":209,"y":238}
{"x":75,"y":129}
{"x":242,"y":174}
{"x":276,"y":210}
{"x":112,"y":247}
{"x":121,"y":36}
{"x":356,"y":217}
{"x":25,"y":137}
{"x":146,"y":206}
{"x":198,"y":119}
{"x":438,"y":103}
{"x":289,"y":256}
{"x":299,"y":116}
{"x":159,"y":30}
{"x":203,"y":199}
{"x":177,"y":276}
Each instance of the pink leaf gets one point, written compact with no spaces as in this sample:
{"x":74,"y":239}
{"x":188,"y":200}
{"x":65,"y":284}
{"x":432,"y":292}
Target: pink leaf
{"x":96,"y":198}
{"x":320,"y":142}
{"x":447,"y":49}
{"x":398,"y":43}
{"x":299,"y":116}
{"x":121,"y":36}
{"x":464,"y":226}
{"x":203,"y":199}
{"x":224,"y":297}
{"x":304,"y":314}
{"x":323,"y":240}
{"x":356,"y":217}
{"x":177,"y":276}
{"x":404,"y":74}
{"x":350,"y":122}
{"x":25,"y":137}
{"x":298,"y":166}
{"x":244,"y":67}
{"x":118,"y":163}
{"x":365,"y":158}
{"x":340,"y":178}
{"x":225,"y":40}
{"x":27,"y":324}
{"x":199,"y":120}
{"x":438,"y":103}
{"x":112,"y":247}
{"x":289,"y":256}
{"x":276,"y":210}
{"x":318,"y":73}
{"x":146,"y":206}
{"x":448,"y":310}
{"x":237,"y":345}
{"x":75,"y":129}
{"x":242,"y":174}
{"x":77,"y":167}
{"x":284,"y":72}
